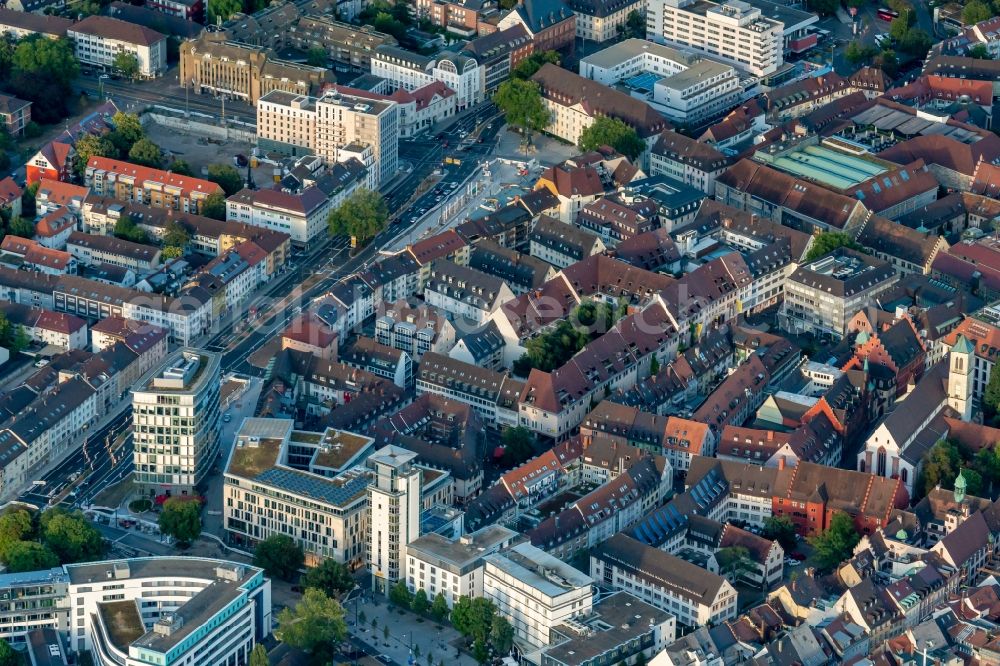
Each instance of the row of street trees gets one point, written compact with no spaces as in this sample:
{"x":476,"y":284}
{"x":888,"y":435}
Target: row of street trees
{"x":31,"y":540}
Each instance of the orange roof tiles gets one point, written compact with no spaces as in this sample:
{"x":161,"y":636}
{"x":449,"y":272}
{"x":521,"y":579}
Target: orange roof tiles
{"x":144,"y":174}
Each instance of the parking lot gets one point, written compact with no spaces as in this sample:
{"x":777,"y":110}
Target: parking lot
{"x":200,"y":152}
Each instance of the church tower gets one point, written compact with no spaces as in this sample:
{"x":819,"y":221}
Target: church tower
{"x":961,"y":358}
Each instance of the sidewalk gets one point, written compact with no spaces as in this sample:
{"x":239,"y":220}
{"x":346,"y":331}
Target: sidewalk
{"x":428,"y":638}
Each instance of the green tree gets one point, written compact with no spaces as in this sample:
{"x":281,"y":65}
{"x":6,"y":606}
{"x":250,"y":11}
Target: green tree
{"x":127,"y":130}
{"x":987,"y":463}
{"x":8,"y":655}
{"x":898,"y":29}
{"x":973,"y":482}
{"x":979,"y":52}
{"x":400,"y":595}
{"x":126,"y":229}
{"x":654,"y":366}
{"x":521,"y":101}
{"x":226,"y":177}
{"x":836,"y":543}
{"x":171,"y":252}
{"x":29,"y":556}
{"x":28,"y":208}
{"x":147,"y":153}
{"x":887,"y":62}
{"x":634,"y":26}
{"x":940,"y":467}
{"x":782,"y":530}
{"x":991,"y":395}
{"x":181,"y":168}
{"x":181,"y":519}
{"x":501,"y":635}
{"x":21,"y":227}
{"x":315,"y":626}
{"x":976,"y":12}
{"x":420,"y":603}
{"x":126,"y":64}
{"x":176,"y":235}
{"x":734,"y":560}
{"x":916,"y":42}
{"x":612,"y":132}
{"x":527,"y":67}
{"x":280,"y":556}
{"x":385,"y":632}
{"x":70,"y":536}
{"x":480,"y":652}
{"x":223,"y":10}
{"x":361,"y":216}
{"x":214,"y":206}
{"x":317,"y":57}
{"x":258,"y":657}
{"x":15,"y":525}
{"x":473,"y":618}
{"x":858,"y":54}
{"x":552,"y":349}
{"x":330,"y":576}
{"x":828,"y":241}
{"x":91,"y":145}
{"x":518,"y":445}
{"x":439,"y":609}
{"x":42,"y":72}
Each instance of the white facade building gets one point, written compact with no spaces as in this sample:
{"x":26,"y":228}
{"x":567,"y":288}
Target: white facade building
{"x":394,"y":504}
{"x":454,"y":568}
{"x":686,"y":87}
{"x":221,"y":609}
{"x":97,"y":40}
{"x":535,"y":591}
{"x":411,"y":71}
{"x":733,"y":30}
{"x":336,"y":126}
{"x":175,"y":416}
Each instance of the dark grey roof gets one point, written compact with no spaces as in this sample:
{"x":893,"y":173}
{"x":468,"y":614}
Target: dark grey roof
{"x":484,"y":342}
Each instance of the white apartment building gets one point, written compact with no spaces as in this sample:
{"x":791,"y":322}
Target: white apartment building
{"x":464,"y":293}
{"x":175,"y":417}
{"x":153,"y":611}
{"x":733,"y":30}
{"x":336,"y":126}
{"x":535,"y":591}
{"x":696,"y":596}
{"x":682,"y":85}
{"x":454,"y":568}
{"x":394,"y":510}
{"x":98,"y":39}
{"x":415,"y":331}
{"x":411,"y":71}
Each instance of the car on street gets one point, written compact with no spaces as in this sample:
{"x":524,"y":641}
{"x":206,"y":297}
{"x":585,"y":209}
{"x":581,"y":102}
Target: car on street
{"x":384,"y":658}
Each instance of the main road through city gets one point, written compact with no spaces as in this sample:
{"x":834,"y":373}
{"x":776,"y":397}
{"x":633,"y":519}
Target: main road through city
{"x":94,"y":466}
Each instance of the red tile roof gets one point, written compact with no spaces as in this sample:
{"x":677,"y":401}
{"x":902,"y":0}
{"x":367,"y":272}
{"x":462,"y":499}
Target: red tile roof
{"x":143,"y":174}
{"x":9,"y":191}
{"x":436,"y":247}
{"x":58,"y":192}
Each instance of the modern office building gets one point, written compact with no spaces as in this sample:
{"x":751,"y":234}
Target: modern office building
{"x":153,"y":611}
{"x":821,"y":297}
{"x":175,"y":416}
{"x":451,"y":567}
{"x":733,"y":30}
{"x":336,"y":126}
{"x":394,"y":510}
{"x":311,"y":486}
{"x":536,"y":592}
{"x":683,"y":85}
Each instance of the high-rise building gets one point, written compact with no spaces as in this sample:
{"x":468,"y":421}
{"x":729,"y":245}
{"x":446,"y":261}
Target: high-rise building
{"x":336,"y":126}
{"x":734,"y":30}
{"x":175,"y":414}
{"x":394,"y":503}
